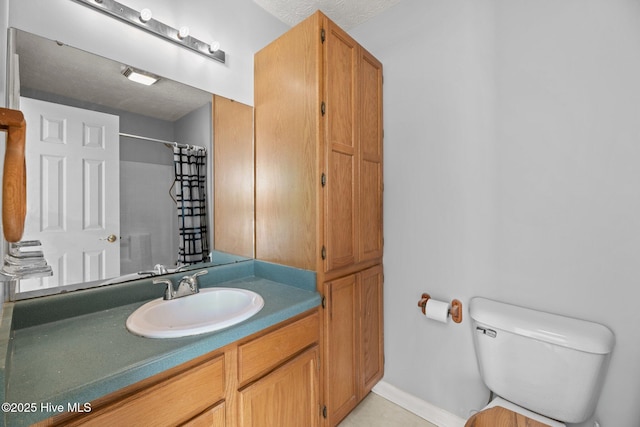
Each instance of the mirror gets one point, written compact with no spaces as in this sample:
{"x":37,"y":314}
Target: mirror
{"x":148,"y":119}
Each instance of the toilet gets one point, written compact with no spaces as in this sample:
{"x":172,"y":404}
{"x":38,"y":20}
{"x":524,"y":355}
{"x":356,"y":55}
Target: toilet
{"x":544,"y":367}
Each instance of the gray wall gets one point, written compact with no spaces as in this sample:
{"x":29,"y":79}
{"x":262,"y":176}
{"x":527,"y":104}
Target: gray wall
{"x":511,"y":172}
{"x":195,"y":128}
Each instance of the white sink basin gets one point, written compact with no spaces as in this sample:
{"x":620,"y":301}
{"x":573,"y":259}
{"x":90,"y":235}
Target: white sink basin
{"x":209,"y":310}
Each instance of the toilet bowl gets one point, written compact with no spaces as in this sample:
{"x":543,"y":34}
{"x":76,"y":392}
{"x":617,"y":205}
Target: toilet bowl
{"x":509,"y":415}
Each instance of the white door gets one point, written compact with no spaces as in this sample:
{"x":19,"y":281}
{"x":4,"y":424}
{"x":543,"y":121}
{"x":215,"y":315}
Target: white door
{"x":73,"y":186}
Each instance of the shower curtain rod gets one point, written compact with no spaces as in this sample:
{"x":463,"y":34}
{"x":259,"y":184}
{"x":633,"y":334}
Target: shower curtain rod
{"x":173,"y":143}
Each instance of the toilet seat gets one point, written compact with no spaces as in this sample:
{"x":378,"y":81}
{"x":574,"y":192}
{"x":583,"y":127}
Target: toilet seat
{"x":502,"y":413}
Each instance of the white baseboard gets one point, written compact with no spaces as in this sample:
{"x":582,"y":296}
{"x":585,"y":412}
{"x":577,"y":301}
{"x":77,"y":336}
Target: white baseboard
{"x":423,"y":409}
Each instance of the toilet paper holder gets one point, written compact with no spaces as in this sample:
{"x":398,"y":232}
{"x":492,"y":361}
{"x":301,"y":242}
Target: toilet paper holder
{"x":455,"y":310}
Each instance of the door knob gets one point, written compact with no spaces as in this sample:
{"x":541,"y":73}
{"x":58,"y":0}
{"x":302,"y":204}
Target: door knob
{"x":110,"y":238}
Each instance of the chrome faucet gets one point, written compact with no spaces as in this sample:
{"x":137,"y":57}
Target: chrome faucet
{"x":158,"y":270}
{"x":188,"y":285}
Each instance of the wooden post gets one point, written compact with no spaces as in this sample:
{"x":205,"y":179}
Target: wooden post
{"x":14,"y":180}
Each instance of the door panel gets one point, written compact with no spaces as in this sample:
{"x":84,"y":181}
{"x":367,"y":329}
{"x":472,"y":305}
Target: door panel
{"x":341,"y":347}
{"x":73,"y":186}
{"x":370,"y":209}
{"x":341,"y":192}
{"x":340,"y":225}
{"x":371,"y":329}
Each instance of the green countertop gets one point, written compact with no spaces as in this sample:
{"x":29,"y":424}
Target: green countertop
{"x":72,"y":349}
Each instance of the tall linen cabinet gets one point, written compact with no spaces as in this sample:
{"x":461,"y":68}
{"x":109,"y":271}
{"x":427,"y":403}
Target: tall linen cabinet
{"x":318,"y":192}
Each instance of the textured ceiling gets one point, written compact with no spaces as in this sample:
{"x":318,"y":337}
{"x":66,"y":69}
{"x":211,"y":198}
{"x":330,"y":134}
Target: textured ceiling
{"x":346,"y":13}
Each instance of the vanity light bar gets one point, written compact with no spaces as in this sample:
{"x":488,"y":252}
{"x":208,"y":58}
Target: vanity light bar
{"x":145,"y":21}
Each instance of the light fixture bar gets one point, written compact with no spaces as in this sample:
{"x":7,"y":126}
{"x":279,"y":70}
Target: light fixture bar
{"x":132,"y":17}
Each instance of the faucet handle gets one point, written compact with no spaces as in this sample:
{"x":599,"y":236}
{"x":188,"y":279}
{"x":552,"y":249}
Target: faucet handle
{"x":160,"y":269}
{"x":192,"y":280}
{"x":168,"y":293}
{"x":200,"y":273}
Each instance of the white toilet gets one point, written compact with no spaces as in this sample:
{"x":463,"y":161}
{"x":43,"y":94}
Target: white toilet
{"x":547,"y":367}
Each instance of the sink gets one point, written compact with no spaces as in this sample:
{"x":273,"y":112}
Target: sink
{"x":209,"y":310}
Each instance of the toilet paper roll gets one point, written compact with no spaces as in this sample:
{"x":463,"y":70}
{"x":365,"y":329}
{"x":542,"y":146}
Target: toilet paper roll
{"x":437,"y":310}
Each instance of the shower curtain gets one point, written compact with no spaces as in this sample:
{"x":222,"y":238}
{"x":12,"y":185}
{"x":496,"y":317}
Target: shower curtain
{"x":191,"y":199}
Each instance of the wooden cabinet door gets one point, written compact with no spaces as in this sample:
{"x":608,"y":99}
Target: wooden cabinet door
{"x":370,"y":156}
{"x":341,"y":190}
{"x":287,"y":397}
{"x":233,"y":177}
{"x":371,"y":329}
{"x":341,"y":348}
{"x":287,"y":128}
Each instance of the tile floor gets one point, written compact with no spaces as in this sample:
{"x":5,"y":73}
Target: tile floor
{"x":376,"y":411}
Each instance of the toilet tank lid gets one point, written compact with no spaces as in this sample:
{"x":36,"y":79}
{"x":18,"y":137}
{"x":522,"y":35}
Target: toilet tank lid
{"x":564,"y":331}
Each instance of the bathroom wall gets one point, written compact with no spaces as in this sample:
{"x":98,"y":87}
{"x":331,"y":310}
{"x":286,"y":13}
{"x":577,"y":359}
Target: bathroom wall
{"x":148,"y":218}
{"x":439,"y":199}
{"x":569,"y":205}
{"x":511,"y":153}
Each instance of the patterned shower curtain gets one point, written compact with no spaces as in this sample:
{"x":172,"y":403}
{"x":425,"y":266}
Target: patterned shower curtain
{"x":191,"y":199}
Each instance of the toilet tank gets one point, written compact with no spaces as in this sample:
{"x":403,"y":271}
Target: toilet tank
{"x":550,"y":364}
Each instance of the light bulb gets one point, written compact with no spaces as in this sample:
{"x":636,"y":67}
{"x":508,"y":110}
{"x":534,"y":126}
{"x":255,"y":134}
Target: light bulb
{"x":145,"y":15}
{"x":214,"y":46}
{"x":183,"y":33}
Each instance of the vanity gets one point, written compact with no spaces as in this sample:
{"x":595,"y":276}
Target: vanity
{"x":69,"y":359}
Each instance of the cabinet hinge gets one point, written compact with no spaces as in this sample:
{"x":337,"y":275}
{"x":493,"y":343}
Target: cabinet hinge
{"x":323,"y":108}
{"x":322,"y":35}
{"x":324,"y":411}
{"x":323,"y":252}
{"x":323,"y":179}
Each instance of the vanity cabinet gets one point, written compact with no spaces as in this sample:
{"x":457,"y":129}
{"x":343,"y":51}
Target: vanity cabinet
{"x":270,"y":379}
{"x":318,"y":201}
